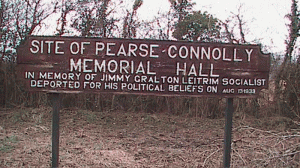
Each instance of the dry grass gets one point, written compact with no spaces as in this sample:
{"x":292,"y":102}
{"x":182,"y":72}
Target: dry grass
{"x":127,"y":139}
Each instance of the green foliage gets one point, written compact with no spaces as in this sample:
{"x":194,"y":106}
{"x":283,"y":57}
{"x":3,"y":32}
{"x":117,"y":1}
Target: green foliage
{"x":93,"y":18}
{"x":197,"y":26}
{"x":181,"y":7}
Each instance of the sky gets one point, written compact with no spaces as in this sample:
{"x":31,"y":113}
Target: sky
{"x":265,"y":19}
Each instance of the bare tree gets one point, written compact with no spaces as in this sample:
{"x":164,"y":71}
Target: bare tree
{"x":294,"y":28}
{"x":66,"y":7}
{"x":236,"y":21}
{"x":29,"y":15}
{"x":4,"y":27}
{"x":130,"y":23}
{"x":228,"y":33}
{"x":288,"y":71}
{"x":160,"y":27}
{"x":241,"y":24}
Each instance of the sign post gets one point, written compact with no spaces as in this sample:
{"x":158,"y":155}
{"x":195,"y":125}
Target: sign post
{"x":55,"y":128}
{"x":228,"y":132}
{"x":146,"y":67}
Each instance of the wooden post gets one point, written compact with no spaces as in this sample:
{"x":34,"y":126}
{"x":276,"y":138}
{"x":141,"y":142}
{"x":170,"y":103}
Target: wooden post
{"x":55,"y":128}
{"x":228,"y":132}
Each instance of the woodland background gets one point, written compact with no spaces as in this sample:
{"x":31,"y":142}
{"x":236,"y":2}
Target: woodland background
{"x":99,"y":18}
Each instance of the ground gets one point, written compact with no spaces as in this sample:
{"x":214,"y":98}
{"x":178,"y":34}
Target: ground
{"x":139,"y":139}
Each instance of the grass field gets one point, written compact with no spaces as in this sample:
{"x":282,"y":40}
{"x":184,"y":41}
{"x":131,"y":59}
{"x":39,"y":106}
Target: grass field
{"x":127,"y":139}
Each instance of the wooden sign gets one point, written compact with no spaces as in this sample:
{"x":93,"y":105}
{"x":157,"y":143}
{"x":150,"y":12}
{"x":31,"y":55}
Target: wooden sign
{"x":151,"y":67}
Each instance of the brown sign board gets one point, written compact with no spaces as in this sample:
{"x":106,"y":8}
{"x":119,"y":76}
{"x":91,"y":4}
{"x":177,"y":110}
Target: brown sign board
{"x":150,"y":67}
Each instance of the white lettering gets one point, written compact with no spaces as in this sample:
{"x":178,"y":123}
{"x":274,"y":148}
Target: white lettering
{"x":143,"y":48}
{"x":235,"y":59}
{"x":131,"y":49}
{"x":169,"y":51}
{"x":72,"y":48}
{"x":249,"y":54}
{"x":218,"y":54}
{"x":112,"y":66}
{"x":57,"y":47}
{"x":207,"y":54}
{"x":101,"y":67}
{"x":224,"y":55}
{"x":211,"y":71}
{"x":99,"y":47}
{"x":148,"y":69}
{"x":152,"y":55}
{"x":108,"y":49}
{"x":35,"y":44}
{"x":178,"y":69}
{"x":75,"y":66}
{"x":181,"y":52}
{"x":122,"y":51}
{"x":85,"y":65}
{"x":82,"y":46}
{"x":49,"y":45}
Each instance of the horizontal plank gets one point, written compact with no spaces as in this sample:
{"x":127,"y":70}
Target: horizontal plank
{"x":152,"y":67}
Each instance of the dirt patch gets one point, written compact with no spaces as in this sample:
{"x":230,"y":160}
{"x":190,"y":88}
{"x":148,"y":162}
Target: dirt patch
{"x":126,"y":139}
